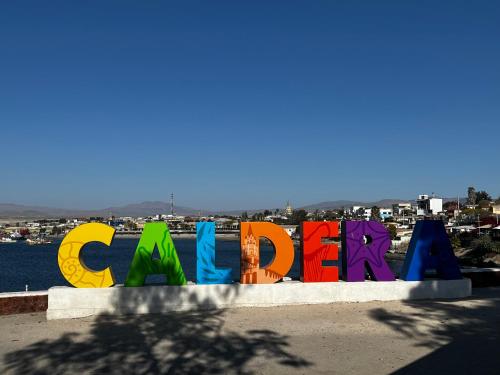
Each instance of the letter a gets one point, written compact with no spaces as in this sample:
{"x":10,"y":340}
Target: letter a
{"x":155,"y":234}
{"x":430,"y":247}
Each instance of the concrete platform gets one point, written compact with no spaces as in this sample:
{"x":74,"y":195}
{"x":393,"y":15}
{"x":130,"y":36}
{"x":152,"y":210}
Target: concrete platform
{"x":67,"y":302}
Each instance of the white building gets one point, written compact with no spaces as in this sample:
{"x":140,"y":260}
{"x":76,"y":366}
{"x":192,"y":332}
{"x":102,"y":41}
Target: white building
{"x":399,"y":208}
{"x":496,"y":209}
{"x":357,"y":210}
{"x":429,"y":205}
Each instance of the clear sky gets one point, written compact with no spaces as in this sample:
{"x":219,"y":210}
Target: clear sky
{"x":247,"y":104}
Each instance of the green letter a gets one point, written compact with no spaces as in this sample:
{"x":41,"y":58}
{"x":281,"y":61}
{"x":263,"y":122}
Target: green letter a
{"x":143,"y":264}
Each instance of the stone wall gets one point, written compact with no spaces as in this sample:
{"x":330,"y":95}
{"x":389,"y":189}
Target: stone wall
{"x":23,"y":302}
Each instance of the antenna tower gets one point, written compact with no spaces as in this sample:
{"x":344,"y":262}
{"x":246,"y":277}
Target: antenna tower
{"x":172,"y":204}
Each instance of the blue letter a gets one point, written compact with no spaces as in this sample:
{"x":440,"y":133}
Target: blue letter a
{"x":430,"y":247}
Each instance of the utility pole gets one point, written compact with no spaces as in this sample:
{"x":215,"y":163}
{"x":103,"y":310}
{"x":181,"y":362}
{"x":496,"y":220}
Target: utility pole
{"x":172,"y":204}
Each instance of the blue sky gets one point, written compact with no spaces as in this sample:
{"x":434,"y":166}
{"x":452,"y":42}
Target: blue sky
{"x":247,"y":104}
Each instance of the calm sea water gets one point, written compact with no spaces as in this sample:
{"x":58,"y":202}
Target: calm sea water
{"x":36,"y":266}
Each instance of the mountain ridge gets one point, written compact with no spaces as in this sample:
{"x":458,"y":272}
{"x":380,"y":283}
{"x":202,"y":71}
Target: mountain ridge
{"x":148,"y":208}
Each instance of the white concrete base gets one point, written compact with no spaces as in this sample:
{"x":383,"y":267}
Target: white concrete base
{"x":66,"y":302}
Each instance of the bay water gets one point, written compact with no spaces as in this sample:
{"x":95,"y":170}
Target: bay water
{"x":36,"y":266}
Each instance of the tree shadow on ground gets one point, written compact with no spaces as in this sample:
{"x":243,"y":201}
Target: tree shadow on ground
{"x":173,"y":342}
{"x":463,"y":339}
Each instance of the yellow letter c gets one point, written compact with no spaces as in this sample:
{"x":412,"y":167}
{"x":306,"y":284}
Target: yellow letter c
{"x":71,"y":263}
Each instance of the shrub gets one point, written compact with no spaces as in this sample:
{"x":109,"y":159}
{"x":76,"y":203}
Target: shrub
{"x":482,"y":246}
{"x":455,"y":242}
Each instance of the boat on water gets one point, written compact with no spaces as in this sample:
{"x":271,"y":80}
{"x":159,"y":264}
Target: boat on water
{"x":7,"y":240}
{"x":38,"y":241}
{"x":12,"y":238}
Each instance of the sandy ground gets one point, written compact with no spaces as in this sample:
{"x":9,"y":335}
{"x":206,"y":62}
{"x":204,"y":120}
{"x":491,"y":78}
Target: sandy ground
{"x":459,"y":336}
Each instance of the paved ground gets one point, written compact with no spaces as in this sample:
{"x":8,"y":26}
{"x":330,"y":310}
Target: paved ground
{"x":365,"y":338}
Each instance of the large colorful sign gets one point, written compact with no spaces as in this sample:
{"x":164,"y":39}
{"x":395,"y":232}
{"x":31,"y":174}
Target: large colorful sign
{"x":364,"y":244}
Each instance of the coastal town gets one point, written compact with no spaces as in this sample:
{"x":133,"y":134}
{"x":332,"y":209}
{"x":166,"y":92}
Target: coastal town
{"x":336,"y":211}
{"x":472,"y":222}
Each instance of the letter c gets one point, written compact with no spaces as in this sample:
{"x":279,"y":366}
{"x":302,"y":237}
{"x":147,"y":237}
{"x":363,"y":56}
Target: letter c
{"x":70,"y":260}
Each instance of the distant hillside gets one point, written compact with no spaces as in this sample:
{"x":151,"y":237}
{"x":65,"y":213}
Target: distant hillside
{"x":137,"y":209}
{"x":148,"y":208}
{"x":19,"y":211}
{"x":331,"y":205}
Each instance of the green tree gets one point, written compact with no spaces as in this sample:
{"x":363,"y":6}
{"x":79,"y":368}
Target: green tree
{"x":317,"y":216}
{"x":298,"y":216}
{"x":393,"y":231}
{"x":258,"y":216}
{"x":482,"y":195}
{"x":482,"y":246}
{"x":56,"y":230}
{"x":244,"y":216}
{"x":455,"y":242}
{"x":330,"y":215}
{"x":375,"y":214}
{"x":130,"y":225}
{"x":471,"y":195}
